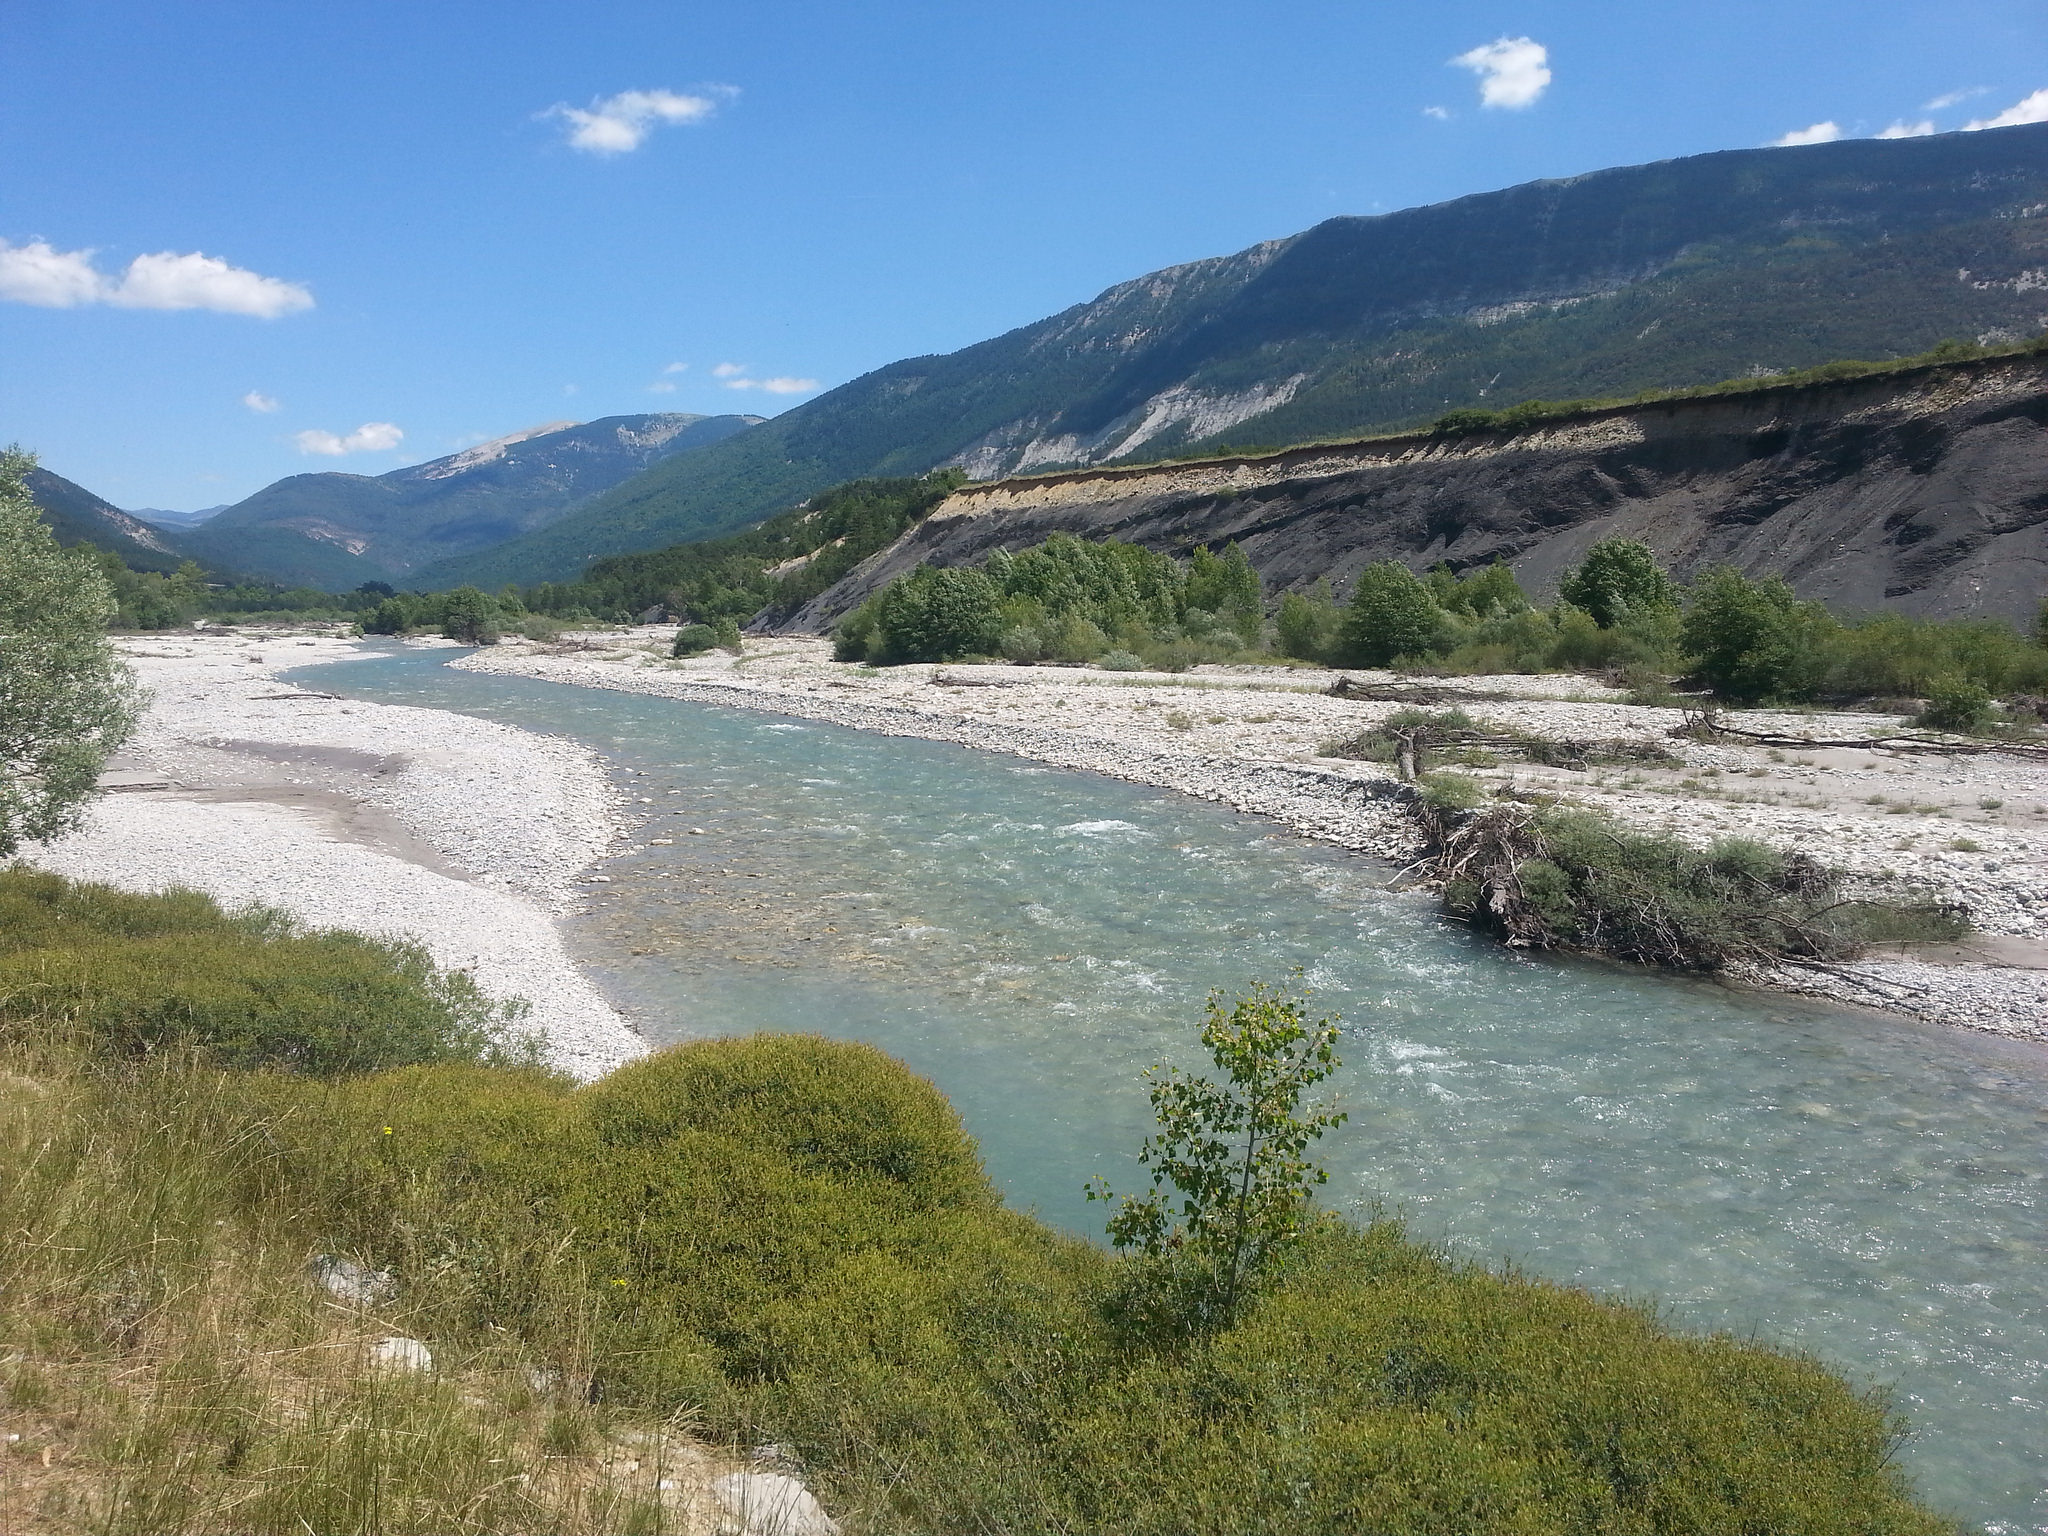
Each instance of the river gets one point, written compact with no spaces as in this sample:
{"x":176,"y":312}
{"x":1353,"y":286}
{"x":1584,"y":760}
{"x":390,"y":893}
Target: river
{"x":1862,"y":1188}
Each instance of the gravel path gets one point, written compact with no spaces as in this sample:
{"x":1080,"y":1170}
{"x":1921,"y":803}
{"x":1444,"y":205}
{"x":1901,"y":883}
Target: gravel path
{"x":1971,"y":829}
{"x":460,"y":834}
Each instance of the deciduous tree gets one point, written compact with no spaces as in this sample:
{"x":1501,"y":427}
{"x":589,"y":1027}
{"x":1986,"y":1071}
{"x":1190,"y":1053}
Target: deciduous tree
{"x":66,"y":699}
{"x":1233,"y":1154}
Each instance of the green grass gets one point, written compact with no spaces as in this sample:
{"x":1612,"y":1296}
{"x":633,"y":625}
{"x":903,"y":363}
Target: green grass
{"x":787,"y":1240}
{"x":144,"y":974}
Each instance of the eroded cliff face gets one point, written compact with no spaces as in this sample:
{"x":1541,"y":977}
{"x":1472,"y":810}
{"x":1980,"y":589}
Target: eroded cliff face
{"x":1924,"y":492}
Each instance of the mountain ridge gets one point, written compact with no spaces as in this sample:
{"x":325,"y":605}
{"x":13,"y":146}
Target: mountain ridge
{"x":76,"y":516}
{"x":336,"y":529}
{"x":1616,"y":281}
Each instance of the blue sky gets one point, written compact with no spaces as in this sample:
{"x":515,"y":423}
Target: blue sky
{"x":374,"y":233}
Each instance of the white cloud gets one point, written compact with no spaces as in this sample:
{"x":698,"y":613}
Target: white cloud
{"x":777,"y":386}
{"x":2033,"y":109}
{"x":661,"y":387}
{"x":1441,"y":114}
{"x":259,"y":402}
{"x":1951,"y":98}
{"x":170,"y":281}
{"x":1819,"y":133}
{"x":370,"y":437}
{"x":618,"y":125}
{"x":677,"y":368}
{"x":728,"y":371}
{"x":1512,"y":71}
{"x":38,"y":273}
{"x":1903,"y":130}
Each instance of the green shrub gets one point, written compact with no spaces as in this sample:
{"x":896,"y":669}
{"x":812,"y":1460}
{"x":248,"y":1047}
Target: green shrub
{"x":1453,"y":792}
{"x":791,"y":1241}
{"x":693,"y":640}
{"x":1561,"y":879}
{"x":1956,"y":704}
{"x":1230,"y":1176}
{"x":1306,"y":626}
{"x":1225,"y":585}
{"x":137,"y":975}
{"x":1390,"y":614}
{"x":1618,"y":578}
{"x":845,"y":1111}
{"x":1893,"y":655}
{"x":1754,"y":640}
{"x":854,"y":635}
{"x":936,"y":614}
{"x":471,"y":616}
{"x":1120,"y":661}
{"x":1476,"y":593}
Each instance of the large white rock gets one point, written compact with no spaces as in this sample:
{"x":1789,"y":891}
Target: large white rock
{"x":346,"y":1280}
{"x":769,"y":1504}
{"x":399,"y":1353}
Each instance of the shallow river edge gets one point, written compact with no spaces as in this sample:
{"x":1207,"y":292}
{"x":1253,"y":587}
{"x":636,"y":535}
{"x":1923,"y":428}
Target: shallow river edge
{"x":1360,"y":812}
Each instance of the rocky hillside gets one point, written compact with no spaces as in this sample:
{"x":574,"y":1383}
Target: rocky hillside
{"x":77,"y":516}
{"x":1603,"y":285}
{"x":1924,"y":490}
{"x":338,"y":530}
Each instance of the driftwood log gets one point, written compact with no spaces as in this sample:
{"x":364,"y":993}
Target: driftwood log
{"x":1707,"y":725}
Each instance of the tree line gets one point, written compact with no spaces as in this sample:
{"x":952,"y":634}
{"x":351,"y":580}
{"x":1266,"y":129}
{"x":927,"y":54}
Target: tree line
{"x":1619,"y":611}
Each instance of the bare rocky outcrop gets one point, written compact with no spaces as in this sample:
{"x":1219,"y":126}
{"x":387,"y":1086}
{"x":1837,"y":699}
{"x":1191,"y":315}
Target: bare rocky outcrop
{"x":1924,"y":491}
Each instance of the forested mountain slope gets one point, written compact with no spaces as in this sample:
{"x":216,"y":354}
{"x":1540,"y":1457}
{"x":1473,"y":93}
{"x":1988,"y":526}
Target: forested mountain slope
{"x":338,"y":530}
{"x":1924,"y":491}
{"x":75,"y":515}
{"x":1651,"y":276}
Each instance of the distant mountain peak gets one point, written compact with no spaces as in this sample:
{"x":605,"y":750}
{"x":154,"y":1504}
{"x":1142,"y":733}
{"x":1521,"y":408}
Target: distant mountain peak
{"x":337,"y":529}
{"x":484,"y":453}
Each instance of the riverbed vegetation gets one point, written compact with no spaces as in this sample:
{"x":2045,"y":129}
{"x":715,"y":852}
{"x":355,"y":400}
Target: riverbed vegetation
{"x":1553,"y":877}
{"x":1618,"y":614}
{"x":776,"y":1241}
{"x":1066,"y":600}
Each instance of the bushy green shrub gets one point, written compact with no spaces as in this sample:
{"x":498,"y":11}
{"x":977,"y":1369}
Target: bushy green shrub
{"x":1306,"y":626}
{"x":1476,"y":593}
{"x":1754,"y":640}
{"x":1957,"y":704}
{"x":1066,"y":600}
{"x":138,"y":975}
{"x":933,"y":614}
{"x":1619,"y":577}
{"x":693,"y":640}
{"x":1560,"y":879}
{"x":1390,"y":614}
{"x":1895,"y":655}
{"x":1225,"y":585}
{"x":1120,"y":661}
{"x":471,"y":616}
{"x":793,"y":1239}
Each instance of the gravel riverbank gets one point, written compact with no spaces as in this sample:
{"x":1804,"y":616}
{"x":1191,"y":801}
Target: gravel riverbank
{"x":460,"y":834}
{"x":1972,"y":829}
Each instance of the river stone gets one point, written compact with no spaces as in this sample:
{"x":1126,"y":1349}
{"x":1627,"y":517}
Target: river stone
{"x":398,"y":1353}
{"x":769,"y":1504}
{"x":346,"y":1280}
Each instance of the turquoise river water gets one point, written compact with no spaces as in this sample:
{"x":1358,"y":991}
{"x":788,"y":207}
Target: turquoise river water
{"x":1031,"y":939}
